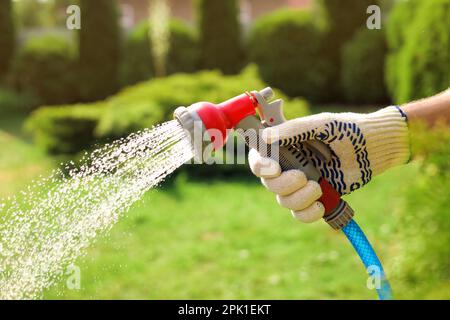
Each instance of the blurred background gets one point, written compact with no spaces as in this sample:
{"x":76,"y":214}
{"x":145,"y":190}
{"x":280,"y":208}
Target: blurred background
{"x":132,"y":62}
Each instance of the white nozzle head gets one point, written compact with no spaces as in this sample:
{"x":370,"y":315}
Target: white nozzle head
{"x":267,"y":93}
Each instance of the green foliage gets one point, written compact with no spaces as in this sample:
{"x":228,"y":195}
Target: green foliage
{"x":400,"y":19}
{"x":31,"y":14}
{"x":7,"y":36}
{"x":152,"y":102}
{"x":220,"y":35}
{"x":401,"y":16}
{"x":12,"y":101}
{"x":99,"y":45}
{"x":64,"y":129}
{"x":343,"y":18}
{"x":423,"y":261}
{"x":427,"y":54}
{"x":363,"y":60}
{"x":138,"y":61}
{"x":147,"y":104}
{"x":286,"y":46}
{"x":45,"y":66}
{"x":184,"y":52}
{"x":419,"y":62}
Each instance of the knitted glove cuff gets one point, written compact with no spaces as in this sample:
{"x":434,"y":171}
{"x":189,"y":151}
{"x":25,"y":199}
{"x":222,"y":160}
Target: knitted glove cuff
{"x":387,"y":139}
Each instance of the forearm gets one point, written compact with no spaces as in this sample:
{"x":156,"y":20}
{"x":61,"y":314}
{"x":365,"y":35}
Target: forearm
{"x":430,"y":110}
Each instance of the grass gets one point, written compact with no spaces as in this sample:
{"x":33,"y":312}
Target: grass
{"x":20,"y":161}
{"x":231,"y":240}
{"x":223,"y":240}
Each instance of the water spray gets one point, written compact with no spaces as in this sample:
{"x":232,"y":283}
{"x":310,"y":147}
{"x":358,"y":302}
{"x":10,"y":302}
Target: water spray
{"x":254,"y":111}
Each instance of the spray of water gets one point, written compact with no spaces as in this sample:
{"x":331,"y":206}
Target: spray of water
{"x":51,"y":223}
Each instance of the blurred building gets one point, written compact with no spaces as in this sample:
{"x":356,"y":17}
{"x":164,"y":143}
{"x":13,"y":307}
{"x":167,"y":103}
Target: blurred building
{"x":135,"y":11}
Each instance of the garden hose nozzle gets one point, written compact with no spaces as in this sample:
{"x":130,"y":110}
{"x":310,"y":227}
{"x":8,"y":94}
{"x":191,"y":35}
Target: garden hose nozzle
{"x":216,"y":121}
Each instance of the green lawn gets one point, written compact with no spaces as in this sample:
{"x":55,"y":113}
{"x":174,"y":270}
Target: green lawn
{"x":230,"y":240}
{"x":223,"y":240}
{"x":20,"y":161}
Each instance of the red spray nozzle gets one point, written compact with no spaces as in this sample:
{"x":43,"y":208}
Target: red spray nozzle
{"x":219,"y":119}
{"x":206,"y":122}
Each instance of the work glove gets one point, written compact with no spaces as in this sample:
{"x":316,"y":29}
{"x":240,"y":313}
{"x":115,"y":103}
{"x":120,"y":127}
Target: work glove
{"x":362,"y":146}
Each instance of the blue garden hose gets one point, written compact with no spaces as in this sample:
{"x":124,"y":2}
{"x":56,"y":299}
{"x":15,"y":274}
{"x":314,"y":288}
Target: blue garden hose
{"x":368,"y":256}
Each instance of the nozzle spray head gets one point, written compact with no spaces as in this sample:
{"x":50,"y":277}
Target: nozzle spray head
{"x":208,"y":124}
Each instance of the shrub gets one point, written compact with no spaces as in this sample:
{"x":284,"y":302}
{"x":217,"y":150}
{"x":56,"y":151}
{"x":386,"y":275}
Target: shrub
{"x":99,"y":45}
{"x":12,"y":101}
{"x":401,"y":16}
{"x":45,"y":66}
{"x":184,"y":52}
{"x":145,"y":105}
{"x":138,"y":61}
{"x":423,"y":62}
{"x":422,"y":266}
{"x":220,"y":42}
{"x":363,"y":59}
{"x":152,"y":102}
{"x":32,"y":14}
{"x":7,"y":36}
{"x":286,"y":45}
{"x":64,"y":129}
{"x":343,"y":18}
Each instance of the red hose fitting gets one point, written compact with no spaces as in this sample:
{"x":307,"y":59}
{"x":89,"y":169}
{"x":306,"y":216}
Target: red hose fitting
{"x":330,"y":197}
{"x":218,"y":119}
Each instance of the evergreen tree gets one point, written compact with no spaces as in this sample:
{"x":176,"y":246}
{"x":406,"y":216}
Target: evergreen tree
{"x":344,"y":18}
{"x":220,"y":35}
{"x":99,"y":48}
{"x":7,"y":36}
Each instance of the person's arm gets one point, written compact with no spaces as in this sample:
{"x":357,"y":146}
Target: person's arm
{"x":430,"y":110}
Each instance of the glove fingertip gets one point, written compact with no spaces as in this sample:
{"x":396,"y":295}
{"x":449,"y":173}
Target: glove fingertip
{"x":311,"y":214}
{"x":263,"y":167}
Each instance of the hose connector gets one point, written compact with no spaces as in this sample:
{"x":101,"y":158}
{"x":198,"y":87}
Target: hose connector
{"x":340,"y":216}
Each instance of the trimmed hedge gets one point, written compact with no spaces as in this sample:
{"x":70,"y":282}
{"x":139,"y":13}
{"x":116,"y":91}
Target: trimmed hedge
{"x":152,"y":102}
{"x":419,"y":62}
{"x":12,"y":101}
{"x":45,"y":66}
{"x":342,"y":19}
{"x":184,"y":52}
{"x":363,"y":59}
{"x":137,"y":64}
{"x":140,"y":106}
{"x":65,"y":129}
{"x":286,"y":47}
{"x":7,"y":36}
{"x":220,"y":35}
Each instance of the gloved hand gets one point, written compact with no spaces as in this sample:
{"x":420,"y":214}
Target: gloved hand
{"x":362,"y":146}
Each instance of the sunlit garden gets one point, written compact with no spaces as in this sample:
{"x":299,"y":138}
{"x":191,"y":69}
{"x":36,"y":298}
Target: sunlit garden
{"x":212,"y":231}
